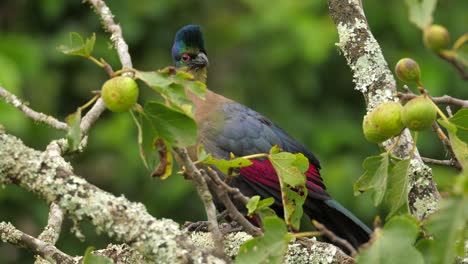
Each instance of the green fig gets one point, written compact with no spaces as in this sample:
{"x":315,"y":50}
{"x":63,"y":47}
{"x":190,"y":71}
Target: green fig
{"x":436,"y":38}
{"x":387,"y":118}
{"x":371,"y":133}
{"x":408,"y":71}
{"x":419,"y":113}
{"x":120,"y":93}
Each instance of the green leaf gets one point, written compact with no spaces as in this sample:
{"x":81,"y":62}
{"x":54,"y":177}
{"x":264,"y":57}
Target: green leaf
{"x":394,"y":242}
{"x":375,"y":177}
{"x":460,"y":120}
{"x":260,"y":207}
{"x":269,"y":248}
{"x":290,"y":169}
{"x":77,"y":46}
{"x":460,"y":148}
{"x":426,"y":246}
{"x":420,"y":12}
{"x":175,"y":127}
{"x":448,"y":226}
{"x":172,"y":84}
{"x":74,"y":133}
{"x":226,"y":166}
{"x":89,"y":258}
{"x":397,"y":193}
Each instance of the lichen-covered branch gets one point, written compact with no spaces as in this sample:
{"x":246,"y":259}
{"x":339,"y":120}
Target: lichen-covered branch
{"x":303,"y":250}
{"x":375,"y":81}
{"x":52,"y":178}
{"x":9,"y":234}
{"x":52,"y":230}
{"x":36,"y":116}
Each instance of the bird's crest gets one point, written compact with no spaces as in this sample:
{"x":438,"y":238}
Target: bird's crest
{"x":188,"y":37}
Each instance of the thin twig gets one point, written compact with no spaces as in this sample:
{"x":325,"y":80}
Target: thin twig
{"x":9,"y":234}
{"x":447,"y":144}
{"x":449,"y":162}
{"x":234,"y":192}
{"x":222,"y":195}
{"x":107,"y":19}
{"x":51,"y":232}
{"x":446,"y":99}
{"x":450,"y":57}
{"x":334,"y":238}
{"x":206,"y":197}
{"x":36,"y":116}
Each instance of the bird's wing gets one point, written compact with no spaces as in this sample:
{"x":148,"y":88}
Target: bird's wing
{"x":244,"y":132}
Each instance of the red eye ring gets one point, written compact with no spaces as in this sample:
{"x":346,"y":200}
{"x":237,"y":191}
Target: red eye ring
{"x":185,"y":57}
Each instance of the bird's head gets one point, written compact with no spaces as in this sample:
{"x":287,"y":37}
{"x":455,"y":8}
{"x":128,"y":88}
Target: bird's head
{"x":189,"y":52}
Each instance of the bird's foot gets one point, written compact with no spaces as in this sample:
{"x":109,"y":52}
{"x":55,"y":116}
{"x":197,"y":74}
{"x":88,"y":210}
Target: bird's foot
{"x":199,"y":226}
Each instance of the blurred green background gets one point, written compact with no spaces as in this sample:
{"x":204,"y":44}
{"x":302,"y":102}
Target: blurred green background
{"x":278,"y":57}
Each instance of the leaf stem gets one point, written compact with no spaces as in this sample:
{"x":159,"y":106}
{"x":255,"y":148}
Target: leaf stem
{"x":90,"y":102}
{"x":415,"y":139}
{"x":256,"y":156}
{"x":119,"y":72}
{"x":98,"y":63}
{"x":140,"y":140}
{"x":389,"y":151}
{"x":307,"y":234}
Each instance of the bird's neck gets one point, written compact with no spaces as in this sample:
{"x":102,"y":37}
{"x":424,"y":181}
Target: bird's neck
{"x":198,"y":73}
{"x":207,"y":106}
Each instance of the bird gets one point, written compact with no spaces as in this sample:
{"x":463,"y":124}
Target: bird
{"x":226,"y":128}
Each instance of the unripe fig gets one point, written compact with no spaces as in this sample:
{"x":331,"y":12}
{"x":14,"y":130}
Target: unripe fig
{"x":383,"y":122}
{"x":436,"y":38}
{"x":408,"y":70}
{"x":387,"y":118}
{"x":419,"y":113}
{"x":119,"y":93}
{"x":371,"y":133}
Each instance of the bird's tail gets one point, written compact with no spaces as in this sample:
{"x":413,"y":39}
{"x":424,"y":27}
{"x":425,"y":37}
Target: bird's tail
{"x":340,"y":221}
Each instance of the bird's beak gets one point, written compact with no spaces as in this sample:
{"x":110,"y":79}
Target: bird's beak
{"x":200,"y":61}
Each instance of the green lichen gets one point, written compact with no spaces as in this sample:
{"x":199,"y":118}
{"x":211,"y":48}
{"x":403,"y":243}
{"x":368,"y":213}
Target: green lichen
{"x":318,"y":253}
{"x":9,"y":234}
{"x":422,"y":201}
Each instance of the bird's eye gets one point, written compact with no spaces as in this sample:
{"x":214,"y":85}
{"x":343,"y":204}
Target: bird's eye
{"x":185,"y":57}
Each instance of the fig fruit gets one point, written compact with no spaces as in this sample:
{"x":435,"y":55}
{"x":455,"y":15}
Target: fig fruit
{"x":371,"y":133}
{"x":119,"y":93}
{"x":408,"y":70}
{"x":419,"y":113}
{"x":436,"y":38}
{"x":383,"y":122}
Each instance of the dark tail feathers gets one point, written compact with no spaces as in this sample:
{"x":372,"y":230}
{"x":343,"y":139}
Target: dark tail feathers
{"x":340,"y":221}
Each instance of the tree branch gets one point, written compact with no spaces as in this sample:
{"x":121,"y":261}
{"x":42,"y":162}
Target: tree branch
{"x":107,"y":19}
{"x":36,"y":116}
{"x":375,"y":81}
{"x":51,"y":177}
{"x":9,"y":234}
{"x":51,"y":232}
{"x":446,"y":99}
